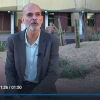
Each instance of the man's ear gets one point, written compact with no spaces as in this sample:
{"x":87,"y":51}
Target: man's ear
{"x":22,"y":19}
{"x":41,"y":19}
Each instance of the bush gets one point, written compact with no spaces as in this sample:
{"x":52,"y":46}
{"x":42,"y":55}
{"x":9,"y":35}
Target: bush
{"x":2,"y":46}
{"x":92,"y":37}
{"x":92,"y":34}
{"x":71,"y":71}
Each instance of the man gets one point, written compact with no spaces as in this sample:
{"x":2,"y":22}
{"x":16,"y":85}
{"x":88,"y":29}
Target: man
{"x":32,"y":56}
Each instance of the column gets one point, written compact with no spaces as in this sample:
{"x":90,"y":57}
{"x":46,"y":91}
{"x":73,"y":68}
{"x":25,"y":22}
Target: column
{"x":46,"y":19}
{"x":23,"y":27}
{"x":12,"y":22}
{"x":80,"y":22}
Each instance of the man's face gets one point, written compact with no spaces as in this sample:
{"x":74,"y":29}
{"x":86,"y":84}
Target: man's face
{"x":32,"y":17}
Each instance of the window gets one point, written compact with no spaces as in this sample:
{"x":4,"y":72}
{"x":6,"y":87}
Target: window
{"x":69,"y":19}
{"x":51,"y":18}
{"x":90,"y":19}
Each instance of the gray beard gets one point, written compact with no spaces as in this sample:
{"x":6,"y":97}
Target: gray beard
{"x":32,"y":28}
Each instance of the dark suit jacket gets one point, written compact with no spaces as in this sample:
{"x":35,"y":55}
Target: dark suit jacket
{"x":47,"y":63}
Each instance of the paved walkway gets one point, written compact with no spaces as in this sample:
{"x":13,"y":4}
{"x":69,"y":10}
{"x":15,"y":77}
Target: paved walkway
{"x":4,"y":36}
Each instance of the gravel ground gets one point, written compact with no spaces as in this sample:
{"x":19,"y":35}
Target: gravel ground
{"x":86,"y":55}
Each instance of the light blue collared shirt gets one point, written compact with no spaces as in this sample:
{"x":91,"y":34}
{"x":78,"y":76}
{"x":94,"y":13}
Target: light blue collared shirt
{"x":31,"y":60}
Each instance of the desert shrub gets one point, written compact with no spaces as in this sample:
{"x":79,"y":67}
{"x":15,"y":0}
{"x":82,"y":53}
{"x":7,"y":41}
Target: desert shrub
{"x":92,"y":37}
{"x":2,"y":46}
{"x":71,"y":71}
{"x":92,"y":34}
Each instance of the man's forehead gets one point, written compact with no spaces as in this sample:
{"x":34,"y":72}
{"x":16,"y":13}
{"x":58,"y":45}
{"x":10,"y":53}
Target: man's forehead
{"x":29,"y":12}
{"x":32,"y":12}
{"x":32,"y":7}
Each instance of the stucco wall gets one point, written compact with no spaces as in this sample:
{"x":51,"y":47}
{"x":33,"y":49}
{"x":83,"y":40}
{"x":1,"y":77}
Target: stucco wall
{"x":53,"y":4}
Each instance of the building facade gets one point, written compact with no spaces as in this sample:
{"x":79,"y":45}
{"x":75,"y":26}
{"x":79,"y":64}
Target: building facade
{"x":66,"y":10}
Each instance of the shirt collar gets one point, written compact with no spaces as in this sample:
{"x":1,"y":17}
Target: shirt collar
{"x":36,"y":42}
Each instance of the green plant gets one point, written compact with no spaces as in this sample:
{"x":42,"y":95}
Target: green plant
{"x":2,"y":46}
{"x":92,"y":35}
{"x":63,"y":63}
{"x":71,"y":71}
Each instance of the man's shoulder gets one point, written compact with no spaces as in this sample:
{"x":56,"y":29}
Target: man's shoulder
{"x":51,"y":36}
{"x":14,"y":36}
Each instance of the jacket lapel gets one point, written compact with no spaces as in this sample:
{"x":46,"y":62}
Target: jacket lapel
{"x":41,"y":50}
{"x":22,"y":52}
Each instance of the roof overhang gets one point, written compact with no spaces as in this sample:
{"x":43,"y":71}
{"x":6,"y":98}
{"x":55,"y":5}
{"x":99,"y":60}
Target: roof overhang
{"x":8,"y":8}
{"x":73,"y":10}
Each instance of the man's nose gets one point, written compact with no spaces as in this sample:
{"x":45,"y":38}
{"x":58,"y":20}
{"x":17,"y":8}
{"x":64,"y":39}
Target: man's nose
{"x":34,"y":16}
